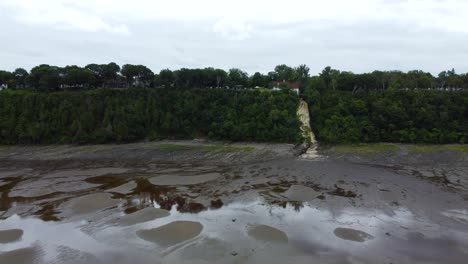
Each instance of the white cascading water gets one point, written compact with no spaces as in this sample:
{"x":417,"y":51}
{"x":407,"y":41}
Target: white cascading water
{"x":311,"y":142}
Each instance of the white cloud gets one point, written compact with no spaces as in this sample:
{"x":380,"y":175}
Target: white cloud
{"x":255,"y":35}
{"x":93,"y":15}
{"x":233,"y":29}
{"x":56,"y":13}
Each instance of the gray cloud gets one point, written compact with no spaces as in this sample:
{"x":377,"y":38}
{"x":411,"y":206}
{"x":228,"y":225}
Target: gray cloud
{"x":348,"y":43}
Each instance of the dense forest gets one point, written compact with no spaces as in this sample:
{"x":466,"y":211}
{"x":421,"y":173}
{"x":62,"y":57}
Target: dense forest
{"x":106,"y":115}
{"x":390,"y":116}
{"x":109,"y":103}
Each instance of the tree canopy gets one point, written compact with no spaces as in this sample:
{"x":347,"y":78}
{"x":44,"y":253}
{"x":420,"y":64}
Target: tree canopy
{"x":46,"y":78}
{"x":390,"y":116}
{"x":392,"y":106}
{"x":102,"y":116}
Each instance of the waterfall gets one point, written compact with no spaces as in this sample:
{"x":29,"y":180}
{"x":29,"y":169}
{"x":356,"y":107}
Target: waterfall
{"x":310,"y":144}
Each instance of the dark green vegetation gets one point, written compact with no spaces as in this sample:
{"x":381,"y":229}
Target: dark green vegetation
{"x":331,"y":79}
{"x":391,"y":116}
{"x":50,"y":78}
{"x":381,"y":106}
{"x":101,"y":116}
{"x":432,"y":148}
{"x":46,"y":77}
{"x":392,"y":106}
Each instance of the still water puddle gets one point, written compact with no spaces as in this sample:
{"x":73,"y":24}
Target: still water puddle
{"x":254,"y":232}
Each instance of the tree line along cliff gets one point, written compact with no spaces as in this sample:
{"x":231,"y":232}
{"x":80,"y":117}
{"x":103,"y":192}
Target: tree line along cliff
{"x":51,"y":104}
{"x":434,"y":117}
{"x":107,"y":115}
{"x":101,"y":116}
{"x":46,"y":77}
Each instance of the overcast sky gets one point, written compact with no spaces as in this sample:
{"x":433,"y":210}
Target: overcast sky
{"x":254,"y":35}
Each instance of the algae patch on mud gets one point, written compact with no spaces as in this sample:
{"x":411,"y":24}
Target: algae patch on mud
{"x":365,"y":148}
{"x":171,"y":234}
{"x":384,"y":147}
{"x":169,"y":146}
{"x":435,"y":148}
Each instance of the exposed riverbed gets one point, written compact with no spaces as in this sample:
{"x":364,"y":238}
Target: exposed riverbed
{"x":196,"y":202}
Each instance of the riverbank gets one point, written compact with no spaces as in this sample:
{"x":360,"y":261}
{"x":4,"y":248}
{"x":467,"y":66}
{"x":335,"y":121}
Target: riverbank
{"x":210,"y":202}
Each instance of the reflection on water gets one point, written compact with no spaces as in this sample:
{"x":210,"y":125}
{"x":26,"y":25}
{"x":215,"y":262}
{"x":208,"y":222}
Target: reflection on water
{"x":252,"y":232}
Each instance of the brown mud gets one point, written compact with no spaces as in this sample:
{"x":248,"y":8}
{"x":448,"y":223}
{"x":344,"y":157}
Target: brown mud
{"x":195,"y":202}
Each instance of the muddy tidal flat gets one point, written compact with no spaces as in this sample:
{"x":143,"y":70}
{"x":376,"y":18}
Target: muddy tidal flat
{"x":207,"y":202}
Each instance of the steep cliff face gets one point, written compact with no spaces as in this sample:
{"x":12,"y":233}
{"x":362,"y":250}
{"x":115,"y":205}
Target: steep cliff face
{"x":310,"y":144}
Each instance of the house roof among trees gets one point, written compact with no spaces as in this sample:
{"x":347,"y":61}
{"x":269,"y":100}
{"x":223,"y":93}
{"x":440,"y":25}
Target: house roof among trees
{"x":292,"y":85}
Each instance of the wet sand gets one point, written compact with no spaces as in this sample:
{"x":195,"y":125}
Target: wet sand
{"x":20,"y":256}
{"x":352,"y":234}
{"x":144,"y":215}
{"x":183,"y":202}
{"x":267,"y":234}
{"x":124,"y":188}
{"x":172,"y":180}
{"x":90,"y":203}
{"x":11,"y":235}
{"x":172,"y":233}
